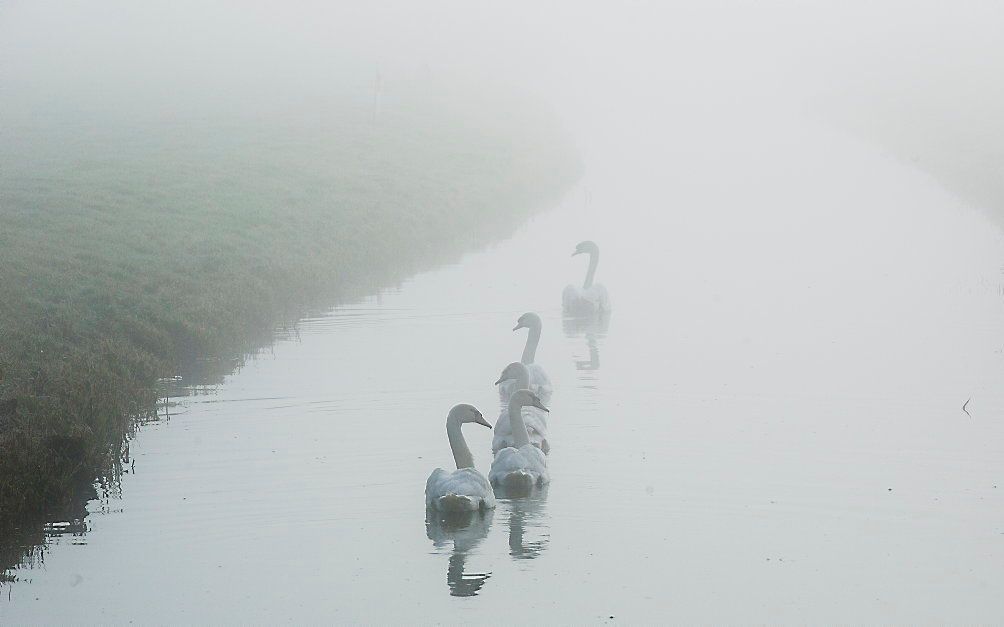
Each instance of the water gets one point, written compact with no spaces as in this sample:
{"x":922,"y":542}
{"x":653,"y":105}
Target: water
{"x":769,"y":427}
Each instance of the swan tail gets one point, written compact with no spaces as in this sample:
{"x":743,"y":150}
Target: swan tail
{"x":519,"y":482}
{"x":456,"y":503}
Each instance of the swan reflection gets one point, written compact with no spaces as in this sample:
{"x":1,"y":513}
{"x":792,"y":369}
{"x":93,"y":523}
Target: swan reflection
{"x":576,"y":326}
{"x":528,"y":533}
{"x":594,"y":329}
{"x":465,"y":530}
{"x":593,"y":363}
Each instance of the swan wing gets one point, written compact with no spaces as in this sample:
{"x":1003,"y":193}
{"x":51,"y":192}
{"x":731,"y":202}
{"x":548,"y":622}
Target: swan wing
{"x":462,"y":489}
{"x":570,"y":296}
{"x":432,"y":486}
{"x":536,"y":427}
{"x":598,"y":295}
{"x":502,"y":437}
{"x":536,"y":461}
{"x":528,"y":459}
{"x":540,"y":383}
{"x":535,"y":421}
{"x":502,"y":426}
{"x":506,"y":388}
{"x":576,"y":300}
{"x":507,"y":460}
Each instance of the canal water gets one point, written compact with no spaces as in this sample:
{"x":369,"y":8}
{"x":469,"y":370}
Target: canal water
{"x":768,"y":427}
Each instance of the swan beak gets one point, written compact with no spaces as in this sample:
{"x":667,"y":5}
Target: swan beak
{"x":481,"y":421}
{"x":577,"y":253}
{"x":540,"y":405}
{"x":517,"y":327}
{"x":499,"y":381}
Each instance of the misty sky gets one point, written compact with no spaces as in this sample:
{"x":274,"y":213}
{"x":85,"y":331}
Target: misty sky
{"x":567,"y":52}
{"x":919,"y":78}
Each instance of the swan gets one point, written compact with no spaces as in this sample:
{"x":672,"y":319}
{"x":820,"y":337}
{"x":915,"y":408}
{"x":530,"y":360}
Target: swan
{"x":540,"y":383}
{"x":519,"y":467}
{"x":534,"y":419}
{"x":465,"y":489}
{"x":591,"y":297}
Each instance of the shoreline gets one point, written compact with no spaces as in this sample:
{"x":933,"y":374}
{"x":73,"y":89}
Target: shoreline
{"x":239,"y":234}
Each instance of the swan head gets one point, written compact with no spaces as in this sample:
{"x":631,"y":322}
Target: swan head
{"x":528,"y":320}
{"x":514,"y":372}
{"x":586,"y":247}
{"x":468,"y":413}
{"x":526,"y":398}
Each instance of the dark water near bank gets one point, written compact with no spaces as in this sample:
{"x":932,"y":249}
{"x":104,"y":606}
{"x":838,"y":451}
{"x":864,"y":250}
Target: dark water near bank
{"x":768,"y":428}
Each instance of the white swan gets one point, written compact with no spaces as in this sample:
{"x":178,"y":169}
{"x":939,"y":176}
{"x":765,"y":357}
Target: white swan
{"x":540,"y":383}
{"x":534,"y":419}
{"x":518,"y":468}
{"x":591,"y":297}
{"x":465,"y":489}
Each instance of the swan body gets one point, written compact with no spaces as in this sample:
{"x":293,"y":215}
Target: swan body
{"x":536,"y":426}
{"x":519,"y":467}
{"x":591,"y":297}
{"x":540,"y":383}
{"x":579,"y":300}
{"x":464,"y":489}
{"x":517,"y":375}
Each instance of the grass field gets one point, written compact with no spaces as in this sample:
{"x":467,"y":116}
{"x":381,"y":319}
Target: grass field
{"x":134,"y":246}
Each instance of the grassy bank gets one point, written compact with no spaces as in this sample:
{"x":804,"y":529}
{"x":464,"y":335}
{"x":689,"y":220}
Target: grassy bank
{"x":132,"y":246}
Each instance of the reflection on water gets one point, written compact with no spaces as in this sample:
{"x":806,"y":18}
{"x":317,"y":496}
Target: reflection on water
{"x":465,"y":531}
{"x":528,"y":529}
{"x":593,"y":363}
{"x":595,"y":324}
{"x":593,"y":328}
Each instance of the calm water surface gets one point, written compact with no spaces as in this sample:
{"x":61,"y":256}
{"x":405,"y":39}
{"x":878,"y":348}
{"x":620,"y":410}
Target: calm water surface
{"x":768,"y":427}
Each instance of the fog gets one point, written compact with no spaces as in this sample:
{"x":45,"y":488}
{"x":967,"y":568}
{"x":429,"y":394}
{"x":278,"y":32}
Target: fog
{"x":927,"y":69}
{"x":789,"y":416}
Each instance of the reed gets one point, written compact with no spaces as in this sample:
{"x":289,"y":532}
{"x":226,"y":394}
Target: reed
{"x":134,"y":250}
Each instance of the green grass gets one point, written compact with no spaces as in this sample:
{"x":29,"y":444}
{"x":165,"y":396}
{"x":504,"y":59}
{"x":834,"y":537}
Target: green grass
{"x":131,"y":248}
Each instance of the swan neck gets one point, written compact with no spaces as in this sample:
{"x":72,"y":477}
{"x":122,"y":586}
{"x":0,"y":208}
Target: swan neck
{"x":461,"y":453}
{"x":594,"y":260}
{"x":520,"y":437}
{"x":532,"y":340}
